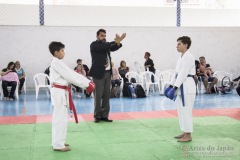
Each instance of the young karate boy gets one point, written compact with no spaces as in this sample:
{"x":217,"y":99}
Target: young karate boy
{"x":60,"y":76}
{"x":182,"y":88}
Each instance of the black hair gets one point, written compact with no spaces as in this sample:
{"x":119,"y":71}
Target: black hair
{"x":79,"y":60}
{"x":185,"y":40}
{"x":197,"y":63}
{"x":122,"y":63}
{"x":10,"y":64}
{"x":202,"y":57}
{"x":148,"y":54}
{"x":101,"y":30}
{"x":55,"y":46}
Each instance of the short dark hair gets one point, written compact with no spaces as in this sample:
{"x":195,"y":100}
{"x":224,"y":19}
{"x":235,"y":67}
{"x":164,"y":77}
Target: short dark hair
{"x":197,"y":63}
{"x":55,"y":46}
{"x":202,"y":57}
{"x":185,"y":40}
{"x":79,"y":60}
{"x":101,"y":30}
{"x":148,"y":54}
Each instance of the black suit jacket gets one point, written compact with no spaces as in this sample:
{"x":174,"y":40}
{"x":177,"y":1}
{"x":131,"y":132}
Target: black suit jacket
{"x":99,"y":51}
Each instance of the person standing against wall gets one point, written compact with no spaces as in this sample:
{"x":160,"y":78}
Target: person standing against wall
{"x":149,"y":64}
{"x":101,"y":71}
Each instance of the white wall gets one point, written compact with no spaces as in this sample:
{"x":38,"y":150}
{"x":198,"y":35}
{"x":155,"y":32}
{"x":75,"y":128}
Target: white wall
{"x":29,"y":45}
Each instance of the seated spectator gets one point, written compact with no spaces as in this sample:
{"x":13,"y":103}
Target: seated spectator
{"x":115,"y":76}
{"x":85,"y":67}
{"x":79,"y":69}
{"x":197,"y":66}
{"x":21,"y":75}
{"x":205,"y":79}
{"x":207,"y":72}
{"x":9,"y":78}
{"x":47,"y":72}
{"x":123,"y":69}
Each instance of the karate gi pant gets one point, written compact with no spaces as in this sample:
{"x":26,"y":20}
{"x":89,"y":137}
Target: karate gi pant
{"x":59,"y":118}
{"x":185,"y":112}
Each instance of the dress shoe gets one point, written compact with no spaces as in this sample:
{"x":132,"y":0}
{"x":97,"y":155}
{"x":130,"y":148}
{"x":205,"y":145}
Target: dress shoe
{"x":96,"y":120}
{"x":106,"y":120}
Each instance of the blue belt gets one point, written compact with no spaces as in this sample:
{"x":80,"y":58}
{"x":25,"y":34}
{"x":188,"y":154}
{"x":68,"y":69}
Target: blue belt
{"x":181,"y":90}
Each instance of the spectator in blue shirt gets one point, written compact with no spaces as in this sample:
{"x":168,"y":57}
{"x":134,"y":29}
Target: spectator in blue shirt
{"x":21,"y":75}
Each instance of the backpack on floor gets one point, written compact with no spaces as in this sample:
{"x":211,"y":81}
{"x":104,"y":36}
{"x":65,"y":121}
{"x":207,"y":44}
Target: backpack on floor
{"x":140,"y":93}
{"x":125,"y":89}
{"x":132,"y":91}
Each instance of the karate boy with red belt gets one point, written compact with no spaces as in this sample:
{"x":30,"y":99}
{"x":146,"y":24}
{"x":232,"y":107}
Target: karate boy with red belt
{"x":182,"y":88}
{"x":60,"y":76}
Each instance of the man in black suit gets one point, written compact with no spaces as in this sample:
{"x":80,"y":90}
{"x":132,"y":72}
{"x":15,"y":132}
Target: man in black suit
{"x":101,"y":71}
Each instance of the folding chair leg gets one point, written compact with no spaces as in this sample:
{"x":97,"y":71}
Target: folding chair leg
{"x":37,"y":90}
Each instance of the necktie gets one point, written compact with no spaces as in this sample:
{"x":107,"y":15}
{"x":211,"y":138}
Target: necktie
{"x":107,"y":63}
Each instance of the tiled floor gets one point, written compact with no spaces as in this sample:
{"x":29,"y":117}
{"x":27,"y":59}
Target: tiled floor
{"x":28,"y":105}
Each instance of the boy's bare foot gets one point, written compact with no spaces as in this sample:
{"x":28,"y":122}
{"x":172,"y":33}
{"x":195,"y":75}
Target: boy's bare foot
{"x":180,"y":136}
{"x":63,"y":150}
{"x":186,"y":138}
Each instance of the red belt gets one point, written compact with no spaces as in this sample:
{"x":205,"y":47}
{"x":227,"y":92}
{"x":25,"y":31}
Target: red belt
{"x":71,"y":104}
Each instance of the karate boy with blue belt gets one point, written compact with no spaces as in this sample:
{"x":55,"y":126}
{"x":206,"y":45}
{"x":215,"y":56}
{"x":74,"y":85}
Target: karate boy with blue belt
{"x":182,"y":88}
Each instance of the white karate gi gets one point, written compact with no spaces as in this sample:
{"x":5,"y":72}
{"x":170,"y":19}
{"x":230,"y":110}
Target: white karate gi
{"x":61,"y":74}
{"x":185,"y":66}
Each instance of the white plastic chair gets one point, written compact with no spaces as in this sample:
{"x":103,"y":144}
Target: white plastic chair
{"x":41,"y":81}
{"x":165,"y":78}
{"x":157,"y":73}
{"x":121,"y":87}
{"x":9,"y":88}
{"x":147,"y":76}
{"x":138,"y":77}
{"x":139,"y":68}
